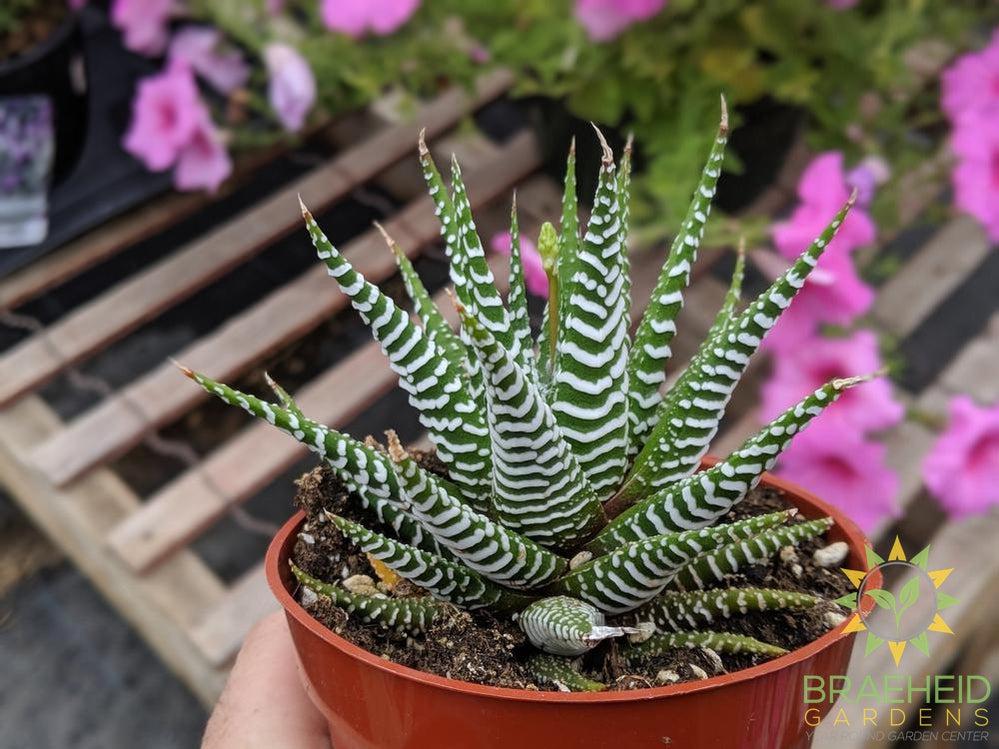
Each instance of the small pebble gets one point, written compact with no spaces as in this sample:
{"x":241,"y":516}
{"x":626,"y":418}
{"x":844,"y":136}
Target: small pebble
{"x":797,"y":570}
{"x":361,"y":585}
{"x":698,"y":671}
{"x":788,"y":554}
{"x":580,"y":559}
{"x":667,"y":677}
{"x":715,"y":660}
{"x":831,"y":555}
{"x":834,"y":618}
{"x":307,"y":538}
{"x":308,"y":597}
{"x":643,"y":631}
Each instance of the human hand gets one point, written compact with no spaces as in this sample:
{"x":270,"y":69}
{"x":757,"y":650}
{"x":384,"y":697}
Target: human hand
{"x":264,"y":704}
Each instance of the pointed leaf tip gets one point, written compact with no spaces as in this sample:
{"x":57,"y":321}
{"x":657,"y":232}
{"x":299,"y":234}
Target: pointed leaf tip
{"x":185,"y":370}
{"x":422,"y":143}
{"x":608,"y":154}
{"x":395,"y":449}
{"x":305,"y":211}
{"x":853,"y":198}
{"x":844,"y":383}
{"x":572,"y":146}
{"x":392,"y":244}
{"x":723,"y":123}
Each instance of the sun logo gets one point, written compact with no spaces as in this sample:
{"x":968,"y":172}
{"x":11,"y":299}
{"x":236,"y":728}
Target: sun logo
{"x":906,"y":615}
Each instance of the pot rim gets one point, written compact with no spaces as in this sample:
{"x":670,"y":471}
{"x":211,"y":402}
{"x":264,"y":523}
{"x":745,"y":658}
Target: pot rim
{"x":39,"y":51}
{"x":280,"y":548}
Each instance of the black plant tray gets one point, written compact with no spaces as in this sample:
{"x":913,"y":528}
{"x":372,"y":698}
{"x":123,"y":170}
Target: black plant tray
{"x":105,"y":181}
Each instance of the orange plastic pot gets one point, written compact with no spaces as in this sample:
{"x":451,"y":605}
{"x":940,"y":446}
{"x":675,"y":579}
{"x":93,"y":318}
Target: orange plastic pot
{"x":372,"y":703}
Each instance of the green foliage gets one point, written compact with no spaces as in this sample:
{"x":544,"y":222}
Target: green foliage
{"x":536,"y":470}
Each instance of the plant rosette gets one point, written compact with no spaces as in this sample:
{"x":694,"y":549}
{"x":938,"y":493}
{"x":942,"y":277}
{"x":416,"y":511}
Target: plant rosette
{"x":569,"y":502}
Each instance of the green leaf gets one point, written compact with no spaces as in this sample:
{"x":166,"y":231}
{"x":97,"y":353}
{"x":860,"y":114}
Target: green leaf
{"x":883,"y":598}
{"x":908,"y":595}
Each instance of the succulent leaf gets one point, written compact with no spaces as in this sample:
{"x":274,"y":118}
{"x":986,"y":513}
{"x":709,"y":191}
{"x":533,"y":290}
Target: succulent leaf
{"x":697,"y":402}
{"x":701,"y":499}
{"x":539,"y":488}
{"x":444,"y":579}
{"x":498,"y":553}
{"x":590,"y":380}
{"x":676,"y":611}
{"x":714,"y":565}
{"x":367,"y":473}
{"x":559,"y":671}
{"x":651,"y":348}
{"x":720,"y":642}
{"x":412,"y":615}
{"x":566,"y":626}
{"x":436,"y":388}
{"x":634,"y":574}
{"x":520,"y":322}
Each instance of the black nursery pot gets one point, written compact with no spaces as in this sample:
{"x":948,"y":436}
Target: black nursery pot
{"x":55,"y":68}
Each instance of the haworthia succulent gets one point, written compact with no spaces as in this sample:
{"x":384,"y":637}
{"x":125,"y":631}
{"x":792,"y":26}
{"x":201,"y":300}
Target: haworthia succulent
{"x":636,"y":573}
{"x":651,"y":349}
{"x":437,"y":328}
{"x":701,"y":499}
{"x":714,"y":565}
{"x":566,"y":626}
{"x":559,"y":671}
{"x":412,"y":615}
{"x":684,"y":431}
{"x":720,"y":642}
{"x":436,"y":387}
{"x":494,"y":551}
{"x":676,"y":611}
{"x":444,"y":579}
{"x":590,"y":381}
{"x":539,"y":488}
{"x":520,"y":322}
{"x":365,"y":472}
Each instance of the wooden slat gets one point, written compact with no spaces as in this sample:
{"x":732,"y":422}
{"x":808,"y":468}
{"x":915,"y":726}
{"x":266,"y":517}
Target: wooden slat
{"x":162,"y":605}
{"x":926,"y":279}
{"x":221,"y":632}
{"x":139,"y":299}
{"x":113,"y":426}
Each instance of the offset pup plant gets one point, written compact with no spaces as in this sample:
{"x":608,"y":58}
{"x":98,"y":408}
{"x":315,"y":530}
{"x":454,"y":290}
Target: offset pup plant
{"x":572,"y":501}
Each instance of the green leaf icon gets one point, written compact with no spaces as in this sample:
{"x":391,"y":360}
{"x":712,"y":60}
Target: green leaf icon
{"x":907,"y":596}
{"x":882,"y":598}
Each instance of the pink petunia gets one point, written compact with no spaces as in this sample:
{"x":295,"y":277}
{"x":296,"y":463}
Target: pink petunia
{"x":971,"y":84}
{"x":143,"y":24}
{"x":975,"y":141}
{"x":355,"y":18}
{"x":842,"y":467}
{"x":165,"y":114}
{"x":962,"y":468}
{"x":822,"y":191}
{"x":833,"y":294}
{"x":200,"y":47}
{"x":605,"y":19}
{"x":807,"y":367}
{"x":291,"y":89}
{"x":204,"y":163}
{"x":535,"y":277}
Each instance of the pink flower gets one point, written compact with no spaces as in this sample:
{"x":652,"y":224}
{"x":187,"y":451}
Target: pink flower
{"x":972,"y":82}
{"x":802,"y":370}
{"x":535,"y":277}
{"x":975,"y":140}
{"x":356,"y":18}
{"x":962,"y":468}
{"x":841,"y":4}
{"x":203,"y":164}
{"x":274,"y":7}
{"x":605,"y":19}
{"x":143,"y":24}
{"x":843,"y":468}
{"x":165,"y":114}
{"x":292,"y":87}
{"x":198,"y":46}
{"x":823,"y":190}
{"x":866,"y":177}
{"x":833,"y":294}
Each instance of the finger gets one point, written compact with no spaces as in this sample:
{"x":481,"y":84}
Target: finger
{"x":264,"y":703}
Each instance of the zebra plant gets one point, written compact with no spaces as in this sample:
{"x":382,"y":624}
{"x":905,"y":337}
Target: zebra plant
{"x":571,"y":501}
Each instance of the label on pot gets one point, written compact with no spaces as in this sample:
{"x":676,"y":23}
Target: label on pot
{"x":26,"y":153}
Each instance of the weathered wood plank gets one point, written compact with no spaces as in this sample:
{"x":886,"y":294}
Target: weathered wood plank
{"x":162,"y":605}
{"x":114,"y":425}
{"x":137,"y":300}
{"x":219,"y":635}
